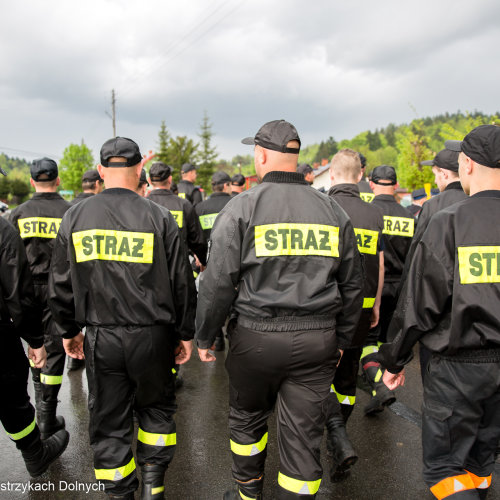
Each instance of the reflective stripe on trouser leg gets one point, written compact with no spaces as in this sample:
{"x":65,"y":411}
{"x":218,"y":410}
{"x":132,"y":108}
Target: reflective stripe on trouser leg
{"x":343,"y":399}
{"x":481,"y":483}
{"x":156,"y":448}
{"x":16,"y":436}
{"x":116,"y":474}
{"x":249,"y":450}
{"x":452,"y":485}
{"x":298,"y":486}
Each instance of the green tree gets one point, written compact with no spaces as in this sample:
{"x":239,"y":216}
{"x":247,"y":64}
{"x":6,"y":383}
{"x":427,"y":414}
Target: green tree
{"x":19,"y":189}
{"x":181,"y":150}
{"x":75,"y":161}
{"x":326,"y":149}
{"x":4,"y":187}
{"x":163,"y":143}
{"x":207,"y":155}
{"x":374,"y":141}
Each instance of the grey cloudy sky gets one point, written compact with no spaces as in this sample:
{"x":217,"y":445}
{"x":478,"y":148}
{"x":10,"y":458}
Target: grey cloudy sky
{"x":330,"y":67}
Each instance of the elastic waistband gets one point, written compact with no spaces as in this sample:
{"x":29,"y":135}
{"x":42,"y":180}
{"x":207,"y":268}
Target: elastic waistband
{"x":287,"y":323}
{"x":487,"y":355}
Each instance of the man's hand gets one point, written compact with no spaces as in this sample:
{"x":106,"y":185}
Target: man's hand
{"x":37,"y":356}
{"x":375,"y":316}
{"x":205,"y":355}
{"x":393,"y":380}
{"x":74,"y":346}
{"x":183,"y":352}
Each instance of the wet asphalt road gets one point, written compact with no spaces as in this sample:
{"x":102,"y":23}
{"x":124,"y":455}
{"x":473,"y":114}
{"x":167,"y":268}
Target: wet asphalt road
{"x":388,"y":445}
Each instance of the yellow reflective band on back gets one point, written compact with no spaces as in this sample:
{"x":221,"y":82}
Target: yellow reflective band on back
{"x":378,"y":376}
{"x":368,"y":197}
{"x":366,"y":240}
{"x":368,"y":302}
{"x":344,"y":400}
{"x":159,"y":489}
{"x":156,"y":439}
{"x":108,"y":244}
{"x":115,"y":474}
{"x":369,"y":349}
{"x":39,"y":227}
{"x":399,"y":226}
{"x":51,"y":379}
{"x":296,"y":239}
{"x":298,"y":486}
{"x":207,"y":221}
{"x":479,"y":264}
{"x":249,"y":450}
{"x":178,"y":215}
{"x":182,"y":195}
{"x":19,"y":435}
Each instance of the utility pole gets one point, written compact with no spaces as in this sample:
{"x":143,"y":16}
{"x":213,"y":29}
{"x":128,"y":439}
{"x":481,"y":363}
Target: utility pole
{"x":113,"y":111}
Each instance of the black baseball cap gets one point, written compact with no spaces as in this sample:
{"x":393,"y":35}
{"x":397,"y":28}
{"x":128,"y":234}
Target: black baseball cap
{"x":384,"y":173}
{"x":238,"y":180}
{"x":91,"y":176}
{"x":221,"y":177}
{"x":419,"y":193}
{"x":187,"y":167}
{"x":160,"y":171}
{"x":362,"y":158}
{"x":44,"y":170}
{"x":482,"y":145}
{"x":275,"y":135}
{"x":120,"y":147}
{"x":446,"y":159}
{"x":143,"y":179}
{"x":434,"y":191}
{"x":304,"y":169}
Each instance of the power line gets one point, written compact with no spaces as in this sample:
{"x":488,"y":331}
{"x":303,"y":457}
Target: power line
{"x":30,"y":153}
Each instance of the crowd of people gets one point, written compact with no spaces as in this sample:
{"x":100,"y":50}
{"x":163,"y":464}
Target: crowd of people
{"x":308,"y":288}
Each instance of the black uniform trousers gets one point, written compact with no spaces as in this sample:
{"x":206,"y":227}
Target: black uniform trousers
{"x":130,"y":368}
{"x":294,"y":370}
{"x":51,"y":375}
{"x":16,"y":412}
{"x":460,"y":425}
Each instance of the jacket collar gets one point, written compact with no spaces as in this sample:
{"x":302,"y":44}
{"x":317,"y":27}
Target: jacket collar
{"x":345,"y":190}
{"x":47,"y":196}
{"x":279,"y":176}
{"x":453,"y":185}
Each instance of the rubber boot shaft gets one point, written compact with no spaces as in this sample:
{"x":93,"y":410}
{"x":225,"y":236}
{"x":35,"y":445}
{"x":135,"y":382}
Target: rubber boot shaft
{"x":48,"y":422}
{"x":153,"y":478}
{"x":250,"y":489}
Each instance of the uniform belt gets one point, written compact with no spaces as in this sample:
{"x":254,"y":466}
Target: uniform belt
{"x":287,"y":323}
{"x":484,"y":355}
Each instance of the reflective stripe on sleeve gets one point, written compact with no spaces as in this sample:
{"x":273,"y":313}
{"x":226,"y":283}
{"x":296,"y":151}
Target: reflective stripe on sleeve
{"x":116,"y":474}
{"x":343,"y":399}
{"x":249,"y":450}
{"x":378,"y":376}
{"x":19,"y":435}
{"x":51,"y":379}
{"x":153,"y":439}
{"x":298,"y":485}
{"x":368,"y":302}
{"x":452,"y":485}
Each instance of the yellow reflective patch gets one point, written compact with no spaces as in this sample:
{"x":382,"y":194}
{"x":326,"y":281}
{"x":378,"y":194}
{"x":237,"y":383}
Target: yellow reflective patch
{"x":249,"y":450}
{"x":296,"y":239}
{"x":39,"y":227}
{"x":107,"y":244}
{"x":378,"y":376}
{"x":368,"y":197}
{"x":51,"y":379}
{"x":369,"y":349}
{"x":19,"y":435}
{"x":156,"y":439}
{"x":207,"y":221}
{"x":159,"y":489}
{"x":368,"y":302}
{"x":298,"y":485}
{"x":244,"y":496}
{"x":479,"y":264}
{"x":399,"y":226}
{"x":116,"y":474}
{"x":178,"y":216}
{"x":366,"y":240}
{"x":343,"y":399}
{"x":182,"y":195}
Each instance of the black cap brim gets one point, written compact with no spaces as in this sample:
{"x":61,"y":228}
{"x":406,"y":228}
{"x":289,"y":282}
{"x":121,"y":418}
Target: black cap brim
{"x":249,"y":141}
{"x":427,"y":163}
{"x":453,"y":146}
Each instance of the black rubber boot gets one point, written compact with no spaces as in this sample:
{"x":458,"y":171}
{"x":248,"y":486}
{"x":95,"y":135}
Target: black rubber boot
{"x":74,"y":364}
{"x":483,"y":493}
{"x":39,"y":456}
{"x":126,"y":496}
{"x":250,"y":489}
{"x":340,"y":449}
{"x":373,"y":407}
{"x":48,"y":422}
{"x":153,"y":479}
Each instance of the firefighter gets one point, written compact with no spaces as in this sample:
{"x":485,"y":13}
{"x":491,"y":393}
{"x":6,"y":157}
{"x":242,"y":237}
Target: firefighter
{"x":207,"y":212}
{"x":418,"y":197}
{"x":398,"y":231}
{"x":143,"y":185}
{"x":284,"y":259}
{"x":37,"y":221}
{"x":237,"y":184}
{"x":451,"y":307}
{"x":365,"y":191}
{"x":307,"y":171}
{"x":345,"y":172}
{"x":92,"y":184}
{"x":129,"y":283}
{"x":186,"y":188}
{"x":20,"y":316}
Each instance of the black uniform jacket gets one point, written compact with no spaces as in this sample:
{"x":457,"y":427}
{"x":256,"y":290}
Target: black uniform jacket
{"x":38,"y":221}
{"x":209,"y":209}
{"x":365,"y":191}
{"x":368,"y":225}
{"x":451,"y":296}
{"x":188,"y":191}
{"x":285,"y":257}
{"x":18,"y":306}
{"x":186,"y":218}
{"x":119,"y":259}
{"x":399,"y":227}
{"x":80,"y":197}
